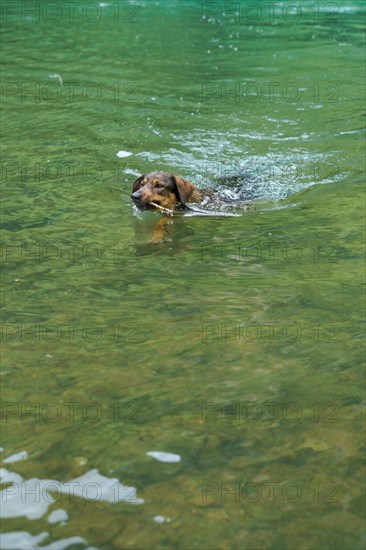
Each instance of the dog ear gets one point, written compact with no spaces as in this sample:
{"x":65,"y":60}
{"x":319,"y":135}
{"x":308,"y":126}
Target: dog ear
{"x":185,"y":188}
{"x":136,"y":183}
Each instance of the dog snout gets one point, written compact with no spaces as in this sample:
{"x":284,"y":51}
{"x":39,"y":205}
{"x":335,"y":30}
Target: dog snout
{"x":136,"y":196}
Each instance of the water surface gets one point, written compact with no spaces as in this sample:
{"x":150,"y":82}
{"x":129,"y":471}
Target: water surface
{"x":235,"y":344}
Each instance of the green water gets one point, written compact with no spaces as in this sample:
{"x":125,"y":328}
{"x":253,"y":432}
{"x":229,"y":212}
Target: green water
{"x":236,"y":343}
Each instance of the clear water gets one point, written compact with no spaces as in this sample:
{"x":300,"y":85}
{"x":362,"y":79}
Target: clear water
{"x":237,"y":343}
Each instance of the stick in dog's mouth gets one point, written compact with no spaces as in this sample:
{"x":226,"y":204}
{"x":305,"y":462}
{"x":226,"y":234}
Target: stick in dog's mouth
{"x":161,"y":208}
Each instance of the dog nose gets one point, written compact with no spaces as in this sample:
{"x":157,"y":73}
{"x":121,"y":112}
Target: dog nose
{"x":136,"y":195}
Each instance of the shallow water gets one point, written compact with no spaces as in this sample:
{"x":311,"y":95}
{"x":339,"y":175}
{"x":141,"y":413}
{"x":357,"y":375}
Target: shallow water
{"x":235,"y":344}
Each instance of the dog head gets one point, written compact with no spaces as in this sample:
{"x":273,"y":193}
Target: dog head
{"x":162,"y":188}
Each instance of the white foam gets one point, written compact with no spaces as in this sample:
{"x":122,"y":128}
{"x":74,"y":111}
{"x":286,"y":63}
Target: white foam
{"x":164,"y":457}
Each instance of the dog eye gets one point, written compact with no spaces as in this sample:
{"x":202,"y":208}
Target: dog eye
{"x":160,"y":185}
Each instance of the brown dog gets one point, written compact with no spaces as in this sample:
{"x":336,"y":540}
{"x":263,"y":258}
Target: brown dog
{"x":163,"y":189}
{"x":164,"y":192}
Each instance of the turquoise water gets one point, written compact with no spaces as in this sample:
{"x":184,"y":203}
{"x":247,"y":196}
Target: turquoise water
{"x":235,"y":345}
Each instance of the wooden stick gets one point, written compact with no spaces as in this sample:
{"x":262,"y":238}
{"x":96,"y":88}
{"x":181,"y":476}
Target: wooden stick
{"x":162,"y":209}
